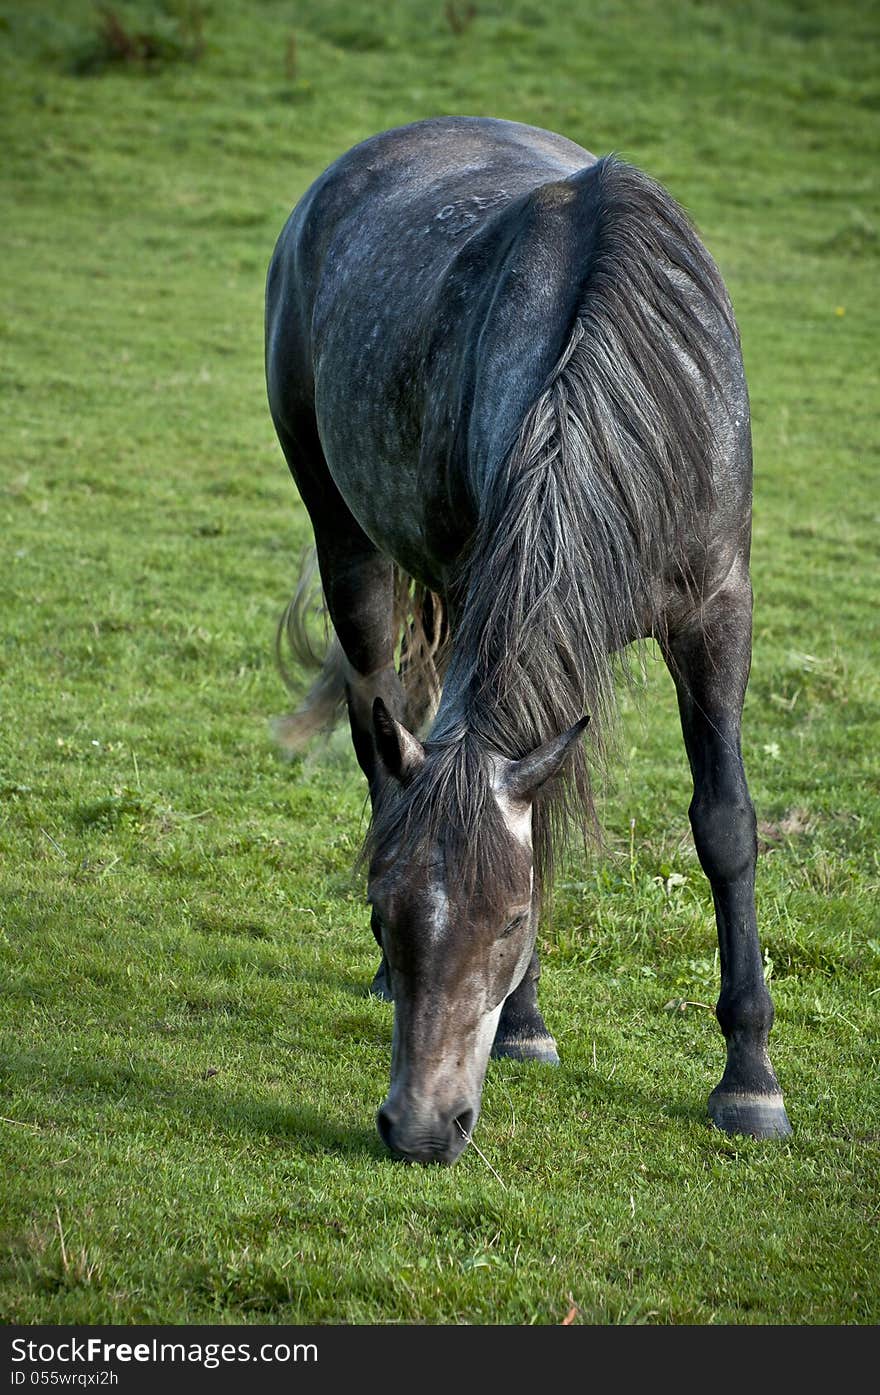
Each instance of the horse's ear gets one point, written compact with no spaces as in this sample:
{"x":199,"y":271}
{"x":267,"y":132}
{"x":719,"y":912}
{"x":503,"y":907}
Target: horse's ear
{"x":524,"y":778}
{"x":399,"y":751}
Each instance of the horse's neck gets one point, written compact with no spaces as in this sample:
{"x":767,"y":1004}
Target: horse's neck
{"x":471,"y":712}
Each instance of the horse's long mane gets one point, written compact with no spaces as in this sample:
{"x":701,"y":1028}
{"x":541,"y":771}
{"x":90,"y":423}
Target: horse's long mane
{"x":605,"y":490}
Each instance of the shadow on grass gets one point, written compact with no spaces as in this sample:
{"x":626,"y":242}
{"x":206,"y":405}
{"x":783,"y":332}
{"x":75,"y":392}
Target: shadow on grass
{"x":312,"y":1129}
{"x":149,"y":1091}
{"x":341,"y":983}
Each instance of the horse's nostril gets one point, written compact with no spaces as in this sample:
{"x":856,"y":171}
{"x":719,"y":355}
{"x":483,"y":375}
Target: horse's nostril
{"x":385,"y":1126}
{"x":439,"y":1141}
{"x":464,"y":1122}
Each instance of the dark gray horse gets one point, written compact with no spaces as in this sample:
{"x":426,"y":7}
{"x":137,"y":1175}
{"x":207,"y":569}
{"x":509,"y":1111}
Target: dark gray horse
{"x":508,"y":382}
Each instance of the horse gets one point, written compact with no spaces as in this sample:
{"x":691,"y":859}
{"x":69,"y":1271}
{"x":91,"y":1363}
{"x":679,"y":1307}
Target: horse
{"x":507,"y":379}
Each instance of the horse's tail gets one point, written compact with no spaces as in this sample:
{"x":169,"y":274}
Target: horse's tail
{"x":421,"y":643}
{"x":605,"y":491}
{"x":324,"y":704}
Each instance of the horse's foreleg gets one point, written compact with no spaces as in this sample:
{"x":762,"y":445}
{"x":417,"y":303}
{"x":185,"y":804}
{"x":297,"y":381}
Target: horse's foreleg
{"x":358,"y":587}
{"x":521,"y":1033}
{"x":359,"y":591}
{"x":709,"y":658}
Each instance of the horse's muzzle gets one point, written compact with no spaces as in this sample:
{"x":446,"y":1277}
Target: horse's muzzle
{"x":438,"y":1139}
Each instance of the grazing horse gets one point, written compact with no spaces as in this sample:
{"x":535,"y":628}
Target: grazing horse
{"x":507,"y":379}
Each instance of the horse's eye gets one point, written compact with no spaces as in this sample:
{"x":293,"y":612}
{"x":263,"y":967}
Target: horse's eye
{"x":513,"y":925}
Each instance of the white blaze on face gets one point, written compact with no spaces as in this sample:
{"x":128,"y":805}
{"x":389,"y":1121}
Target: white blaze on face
{"x":516,"y":814}
{"x":438,"y":900}
{"x":438,"y":923}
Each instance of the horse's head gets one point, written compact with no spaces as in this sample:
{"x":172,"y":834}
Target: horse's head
{"x":457,"y":914}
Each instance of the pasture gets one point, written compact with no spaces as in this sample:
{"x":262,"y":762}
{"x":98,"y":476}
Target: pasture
{"x":190,"y":1064}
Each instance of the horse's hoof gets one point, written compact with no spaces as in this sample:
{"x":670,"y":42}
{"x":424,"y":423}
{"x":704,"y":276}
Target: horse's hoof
{"x":760,"y":1116}
{"x":527,"y":1049}
{"x":380,"y":987}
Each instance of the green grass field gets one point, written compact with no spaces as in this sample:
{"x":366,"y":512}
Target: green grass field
{"x":190,"y":1066}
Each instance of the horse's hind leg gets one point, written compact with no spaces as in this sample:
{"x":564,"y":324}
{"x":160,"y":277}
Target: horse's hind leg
{"x":709,"y":658}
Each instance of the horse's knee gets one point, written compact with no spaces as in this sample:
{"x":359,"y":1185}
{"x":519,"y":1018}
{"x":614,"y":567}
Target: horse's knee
{"x":361,"y":692}
{"x":725,"y":836}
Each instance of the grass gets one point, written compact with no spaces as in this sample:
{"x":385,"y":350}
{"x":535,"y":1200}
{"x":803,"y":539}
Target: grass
{"x":190,"y":1064}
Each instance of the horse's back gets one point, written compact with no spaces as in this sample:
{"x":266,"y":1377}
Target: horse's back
{"x":420,"y":295}
{"x":378,"y":290}
{"x":373,"y":237}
